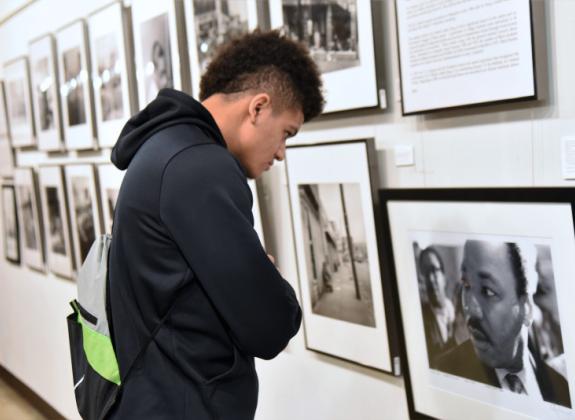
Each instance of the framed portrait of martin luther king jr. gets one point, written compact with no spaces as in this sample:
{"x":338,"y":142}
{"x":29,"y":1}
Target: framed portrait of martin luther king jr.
{"x":484,"y":281}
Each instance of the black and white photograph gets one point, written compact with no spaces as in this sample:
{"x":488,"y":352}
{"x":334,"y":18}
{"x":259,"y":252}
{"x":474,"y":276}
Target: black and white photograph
{"x":109,"y":180}
{"x":75,"y":92}
{"x":336,"y":252}
{"x":343,"y":297}
{"x":339,"y":36}
{"x":45,"y":93}
{"x":109,"y":78}
{"x":18,"y":100}
{"x":6,"y":153}
{"x":156,"y":56}
{"x":29,"y":218}
{"x":488,"y":284}
{"x":83,"y":209}
{"x":10,"y":225}
{"x":56,"y":227}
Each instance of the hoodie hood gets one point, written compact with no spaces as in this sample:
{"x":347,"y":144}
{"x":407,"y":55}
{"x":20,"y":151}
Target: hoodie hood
{"x":169,"y":108}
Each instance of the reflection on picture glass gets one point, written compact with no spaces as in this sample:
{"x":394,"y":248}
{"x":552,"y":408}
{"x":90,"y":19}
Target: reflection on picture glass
{"x":156,"y":55}
{"x":74,"y":87}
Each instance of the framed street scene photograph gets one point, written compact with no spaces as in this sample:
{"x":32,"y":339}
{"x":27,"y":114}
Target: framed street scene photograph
{"x":339,"y":36}
{"x":29,"y":218}
{"x":109,"y":180}
{"x":19,"y":102}
{"x":156,"y":39}
{"x":56,"y":226}
{"x":10,"y":234}
{"x":6,"y":153}
{"x":84,"y":209}
{"x":45,"y":93}
{"x":485,"y":278}
{"x":447,"y":52}
{"x":211,"y":23}
{"x":75,"y":92}
{"x":109,"y":72}
{"x":346,"y":306}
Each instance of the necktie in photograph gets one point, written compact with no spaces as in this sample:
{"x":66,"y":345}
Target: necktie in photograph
{"x":515,"y":384}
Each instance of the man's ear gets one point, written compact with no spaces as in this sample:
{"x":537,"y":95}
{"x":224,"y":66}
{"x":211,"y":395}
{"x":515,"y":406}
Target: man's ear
{"x":528,"y":310}
{"x":258,"y":103}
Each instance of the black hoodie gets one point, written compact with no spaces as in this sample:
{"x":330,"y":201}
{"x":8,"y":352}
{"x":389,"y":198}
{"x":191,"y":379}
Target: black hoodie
{"x":184,"y":251}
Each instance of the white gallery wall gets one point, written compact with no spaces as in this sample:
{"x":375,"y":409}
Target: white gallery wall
{"x":503,"y":145}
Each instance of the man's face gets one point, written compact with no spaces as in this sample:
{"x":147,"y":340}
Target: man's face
{"x":544,"y":297}
{"x":434,"y":279}
{"x":493,"y":310}
{"x":263,"y":140}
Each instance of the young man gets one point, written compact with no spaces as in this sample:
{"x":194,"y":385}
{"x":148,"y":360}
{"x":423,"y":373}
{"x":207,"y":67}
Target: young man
{"x":194,"y":297}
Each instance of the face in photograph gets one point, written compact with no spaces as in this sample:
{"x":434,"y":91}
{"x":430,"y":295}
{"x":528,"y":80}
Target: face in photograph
{"x":336,"y":252}
{"x":74,"y":86}
{"x":30,"y":240}
{"x":55,"y":222}
{"x":328,"y":28}
{"x":44,"y":93}
{"x":84,"y":215}
{"x":110,"y":77}
{"x":17,"y":102}
{"x":156,"y":53}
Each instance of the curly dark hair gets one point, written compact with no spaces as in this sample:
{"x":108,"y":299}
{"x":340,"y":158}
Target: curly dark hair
{"x":270,"y":62}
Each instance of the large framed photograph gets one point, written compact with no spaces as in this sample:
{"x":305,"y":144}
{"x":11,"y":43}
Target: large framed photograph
{"x":84,"y":209}
{"x":339,"y":35}
{"x":156,"y":40}
{"x":10,"y":233}
{"x":76,"y":95}
{"x":109,"y":180}
{"x":212,"y":23}
{"x":19,"y":102}
{"x":485,"y":280}
{"x":347,"y":308}
{"x":6,"y":153}
{"x":110,"y":72}
{"x":56,"y":226}
{"x":29,"y":218}
{"x":464,"y":54}
{"x":46,"y":93}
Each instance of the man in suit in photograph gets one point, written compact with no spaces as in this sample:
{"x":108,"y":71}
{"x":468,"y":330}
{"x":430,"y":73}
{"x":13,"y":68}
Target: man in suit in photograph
{"x":497,"y":311}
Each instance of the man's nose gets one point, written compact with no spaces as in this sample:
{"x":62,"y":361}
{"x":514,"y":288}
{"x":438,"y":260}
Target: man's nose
{"x":471,"y":306}
{"x":281,"y":153}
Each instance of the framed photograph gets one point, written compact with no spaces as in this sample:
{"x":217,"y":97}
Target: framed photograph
{"x":84,"y":209}
{"x":6,"y":153}
{"x":256,"y":211}
{"x":19,"y":102}
{"x":347,"y":308}
{"x":109,"y":180}
{"x":56,"y":226}
{"x":156,"y":39}
{"x":457,"y":56}
{"x":211,"y":23}
{"x":485,"y":280}
{"x":45,"y":93}
{"x":29,"y":218}
{"x":10,"y":234}
{"x":109,"y":72}
{"x":76,"y":95}
{"x":339,"y":36}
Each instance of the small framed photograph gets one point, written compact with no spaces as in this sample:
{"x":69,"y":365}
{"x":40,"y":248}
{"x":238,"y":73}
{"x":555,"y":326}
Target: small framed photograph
{"x":19,"y":102}
{"x":75,"y":92}
{"x":211,"y":23}
{"x":45,"y":93}
{"x":84,"y":209}
{"x":258,"y":227}
{"x":109,"y":72}
{"x":10,"y":223}
{"x":109,"y":180}
{"x":156,"y":41}
{"x":347,"y":308}
{"x":485,"y":280}
{"x":6,"y":153}
{"x":339,"y":35}
{"x":56,"y":226}
{"x":29,"y":218}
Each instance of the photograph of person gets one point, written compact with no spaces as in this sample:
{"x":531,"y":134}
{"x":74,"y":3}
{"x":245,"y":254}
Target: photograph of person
{"x":84,"y":215}
{"x":156,"y":55}
{"x":26,"y":208}
{"x":109,"y":77}
{"x":328,"y":28}
{"x":55,"y":223}
{"x":17,"y":103}
{"x":336,"y":252}
{"x":10,"y":223}
{"x":46,"y":100}
{"x":73,"y":86}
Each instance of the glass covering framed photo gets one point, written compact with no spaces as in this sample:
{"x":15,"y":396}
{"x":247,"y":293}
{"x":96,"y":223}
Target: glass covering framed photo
{"x":484,"y":281}
{"x":10,"y":234}
{"x":347,"y":308}
{"x":19,"y":102}
{"x":109,"y":181}
{"x":6,"y":153}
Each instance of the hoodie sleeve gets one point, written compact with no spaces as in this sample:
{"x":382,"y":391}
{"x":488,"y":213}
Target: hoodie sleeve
{"x":206,"y":206}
